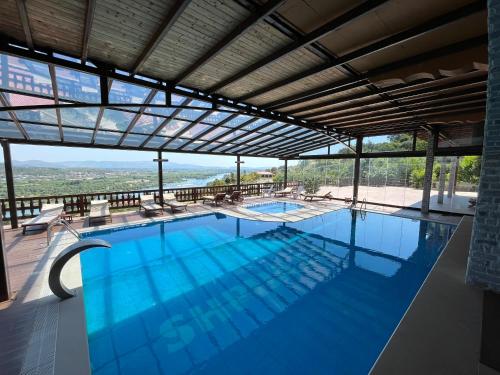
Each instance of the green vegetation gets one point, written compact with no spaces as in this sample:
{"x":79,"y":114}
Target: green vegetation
{"x":230,"y":179}
{"x":377,"y":171}
{"x":34,"y":181}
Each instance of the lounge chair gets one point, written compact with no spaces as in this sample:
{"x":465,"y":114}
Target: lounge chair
{"x":284,"y":192}
{"x":268,"y":192}
{"x":215,"y":199}
{"x":235,"y":196}
{"x":99,"y":211}
{"x":170,"y":200}
{"x":149,"y":205}
{"x":49,"y":213}
{"x":299,"y":192}
{"x":318,"y":196}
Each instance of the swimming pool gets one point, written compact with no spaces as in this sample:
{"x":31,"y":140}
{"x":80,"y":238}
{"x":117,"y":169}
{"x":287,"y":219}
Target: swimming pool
{"x":215,"y":294}
{"x":274,"y":207}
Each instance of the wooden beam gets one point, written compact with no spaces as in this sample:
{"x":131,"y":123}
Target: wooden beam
{"x":138,"y":115}
{"x":330,"y":88}
{"x":256,"y":16}
{"x":172,"y":16}
{"x":165,"y":123}
{"x":5,"y":103}
{"x":187,"y":128}
{"x":413,"y":89}
{"x":304,"y":41}
{"x":87,"y":28}
{"x":9,"y":179}
{"x":55,"y":92}
{"x":25,"y":23}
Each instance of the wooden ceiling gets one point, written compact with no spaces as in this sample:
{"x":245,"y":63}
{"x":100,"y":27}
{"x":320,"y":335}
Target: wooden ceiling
{"x":353,"y":67}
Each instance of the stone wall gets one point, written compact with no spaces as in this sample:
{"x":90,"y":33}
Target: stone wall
{"x":484,"y":257}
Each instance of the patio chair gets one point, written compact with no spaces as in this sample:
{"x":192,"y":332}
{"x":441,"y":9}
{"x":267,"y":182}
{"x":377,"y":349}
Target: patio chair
{"x":149,"y":205}
{"x":283,"y":193}
{"x":99,"y":211}
{"x":170,"y":200}
{"x":235,"y":196}
{"x":318,"y":196}
{"x":268,"y":192}
{"x":49,"y":213}
{"x":214,"y":199}
{"x":299,"y":192}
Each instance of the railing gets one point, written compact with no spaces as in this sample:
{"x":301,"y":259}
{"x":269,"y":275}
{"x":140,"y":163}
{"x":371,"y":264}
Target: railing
{"x":79,"y":204}
{"x":65,"y":224}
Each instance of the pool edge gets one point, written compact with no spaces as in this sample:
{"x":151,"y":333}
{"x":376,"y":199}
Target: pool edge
{"x":440,"y":330}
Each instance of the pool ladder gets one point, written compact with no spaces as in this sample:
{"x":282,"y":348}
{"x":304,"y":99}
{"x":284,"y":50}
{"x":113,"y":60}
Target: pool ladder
{"x":65,"y":224}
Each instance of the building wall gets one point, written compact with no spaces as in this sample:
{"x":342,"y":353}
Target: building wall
{"x":484,"y":257}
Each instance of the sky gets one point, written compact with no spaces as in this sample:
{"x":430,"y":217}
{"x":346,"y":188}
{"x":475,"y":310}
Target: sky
{"x":59,"y":154}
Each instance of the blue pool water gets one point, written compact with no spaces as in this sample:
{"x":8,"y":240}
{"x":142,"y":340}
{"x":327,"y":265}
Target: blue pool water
{"x":219,"y":295}
{"x":275,"y":207}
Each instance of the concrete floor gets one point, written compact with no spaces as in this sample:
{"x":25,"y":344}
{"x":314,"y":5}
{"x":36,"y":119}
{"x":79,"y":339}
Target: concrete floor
{"x":29,"y":259}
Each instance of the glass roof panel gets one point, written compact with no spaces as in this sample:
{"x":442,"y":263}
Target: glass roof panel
{"x":38,"y":115}
{"x":84,"y":117}
{"x":78,"y":86}
{"x":195,"y":130}
{"x":116,"y":120}
{"x":193,"y":145}
{"x":190,"y":114}
{"x":288,"y":129}
{"x":160,"y":99}
{"x":42,"y":132}
{"x":156,"y":142}
{"x":9,"y":130}
{"x":122,"y":92}
{"x":256,"y":124}
{"x":147,"y":124}
{"x":200,"y":103}
{"x":173,"y":127}
{"x":177,"y":143}
{"x":5,"y":115}
{"x":272,"y":127}
{"x":178,"y":99}
{"x":232,"y":135}
{"x":261,"y":140}
{"x":25,"y":75}
{"x":134,"y":140}
{"x":229,"y":145}
{"x":78,"y":135}
{"x":107,"y":138}
{"x":237,"y":121}
{"x":210,"y":146}
{"x":215,"y":133}
{"x":216,"y":117}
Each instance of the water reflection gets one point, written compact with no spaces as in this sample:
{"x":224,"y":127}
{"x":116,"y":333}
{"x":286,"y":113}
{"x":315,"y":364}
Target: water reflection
{"x":217,"y":294}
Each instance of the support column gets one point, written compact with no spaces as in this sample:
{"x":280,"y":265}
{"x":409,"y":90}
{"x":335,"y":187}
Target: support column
{"x":160,"y":176}
{"x":9,"y":176}
{"x":442,"y":180}
{"x":483,"y":268}
{"x":453,"y":177}
{"x":238,"y":172}
{"x":357,"y":165}
{"x":4,"y":273}
{"x":429,"y":164}
{"x":285,"y":178}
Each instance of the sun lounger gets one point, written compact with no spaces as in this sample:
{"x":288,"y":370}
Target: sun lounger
{"x":149,"y":205}
{"x":318,"y":196}
{"x":49,"y":213}
{"x":99,"y":211}
{"x":284,"y":192}
{"x":235,"y":196}
{"x":215,"y":199}
{"x":170,"y":200}
{"x":268,"y":192}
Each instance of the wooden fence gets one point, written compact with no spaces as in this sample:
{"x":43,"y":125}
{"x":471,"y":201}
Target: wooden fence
{"x":79,"y":204}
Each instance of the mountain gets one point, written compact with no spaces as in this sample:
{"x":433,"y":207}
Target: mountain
{"x":135,"y":165}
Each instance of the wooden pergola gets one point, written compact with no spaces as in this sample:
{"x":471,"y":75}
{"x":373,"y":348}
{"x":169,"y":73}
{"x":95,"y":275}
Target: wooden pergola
{"x":276,"y":78}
